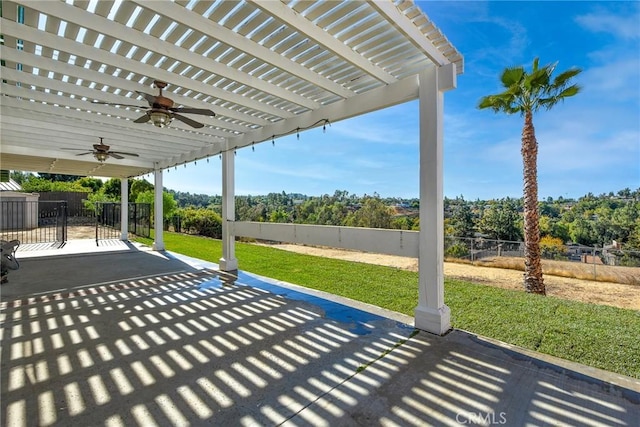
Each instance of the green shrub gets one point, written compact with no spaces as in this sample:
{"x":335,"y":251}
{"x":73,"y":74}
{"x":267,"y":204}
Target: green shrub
{"x":457,"y":250}
{"x":201,"y":221}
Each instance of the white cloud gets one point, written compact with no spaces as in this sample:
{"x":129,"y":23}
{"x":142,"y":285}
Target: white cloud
{"x":624,"y":26}
{"x":617,"y":79}
{"x":306,"y":171}
{"x":375,"y":132}
{"x":369,"y":163}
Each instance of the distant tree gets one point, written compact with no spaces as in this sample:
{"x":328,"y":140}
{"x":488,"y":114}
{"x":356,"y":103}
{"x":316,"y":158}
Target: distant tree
{"x":462,"y":220}
{"x":111,"y":188}
{"x":402,"y":223}
{"x":278,"y":215}
{"x":501,"y":221}
{"x":633,"y":243}
{"x":100,"y":196}
{"x":34,"y":184}
{"x":581,"y":231}
{"x":139,"y":186}
{"x":525,"y":93}
{"x":623,"y":221}
{"x":331,"y":214}
{"x":169,"y":205}
{"x":19,"y":176}
{"x":560,"y":229}
{"x":94,"y":184}
{"x":549,"y":209}
{"x":626,"y":193}
{"x":373,"y":213}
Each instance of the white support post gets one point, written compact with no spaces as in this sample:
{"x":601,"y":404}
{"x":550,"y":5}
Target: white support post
{"x":158,"y":243}
{"x":124,"y":209}
{"x":432,"y":314}
{"x":228,"y":262}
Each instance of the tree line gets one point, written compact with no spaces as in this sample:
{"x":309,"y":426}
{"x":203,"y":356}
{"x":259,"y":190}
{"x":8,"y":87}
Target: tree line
{"x":589,"y":220}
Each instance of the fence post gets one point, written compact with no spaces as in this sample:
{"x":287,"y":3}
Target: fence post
{"x":593,"y":258}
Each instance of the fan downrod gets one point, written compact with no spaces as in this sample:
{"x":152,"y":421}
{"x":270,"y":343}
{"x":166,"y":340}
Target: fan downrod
{"x":161,"y":102}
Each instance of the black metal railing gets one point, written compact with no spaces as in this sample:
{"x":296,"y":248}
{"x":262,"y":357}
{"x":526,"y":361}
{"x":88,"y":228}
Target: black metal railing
{"x":34,"y":221}
{"x":109,"y":220}
{"x":140,"y":219}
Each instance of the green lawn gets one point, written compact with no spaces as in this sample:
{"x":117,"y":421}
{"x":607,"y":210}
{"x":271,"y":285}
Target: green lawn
{"x":595,"y":335}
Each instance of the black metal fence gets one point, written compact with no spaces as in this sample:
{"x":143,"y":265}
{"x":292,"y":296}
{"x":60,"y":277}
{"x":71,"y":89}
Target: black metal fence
{"x":140,"y":219}
{"x":47,"y":221}
{"x":109,"y":220}
{"x":34,"y":221}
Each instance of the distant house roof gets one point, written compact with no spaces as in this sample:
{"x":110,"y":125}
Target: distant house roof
{"x":11,"y":185}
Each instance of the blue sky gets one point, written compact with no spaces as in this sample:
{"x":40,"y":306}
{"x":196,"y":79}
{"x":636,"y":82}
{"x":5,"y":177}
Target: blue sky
{"x":590,"y":143}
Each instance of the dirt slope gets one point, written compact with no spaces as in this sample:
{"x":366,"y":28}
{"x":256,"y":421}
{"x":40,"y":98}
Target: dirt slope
{"x":614,"y":294}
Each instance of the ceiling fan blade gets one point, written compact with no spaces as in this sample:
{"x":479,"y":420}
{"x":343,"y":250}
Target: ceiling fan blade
{"x":187,"y":110}
{"x":150,"y":98}
{"x":83,"y":154}
{"x":115,"y":104}
{"x":188,"y":121}
{"x":142,"y":119}
{"x":73,"y":149}
{"x":113,"y":153}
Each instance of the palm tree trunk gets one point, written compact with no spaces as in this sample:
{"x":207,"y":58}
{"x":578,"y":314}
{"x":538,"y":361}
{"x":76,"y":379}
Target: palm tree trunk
{"x":533,"y":281}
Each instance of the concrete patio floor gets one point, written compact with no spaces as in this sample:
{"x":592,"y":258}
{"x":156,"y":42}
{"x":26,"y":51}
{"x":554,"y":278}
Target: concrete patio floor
{"x":127,"y":336}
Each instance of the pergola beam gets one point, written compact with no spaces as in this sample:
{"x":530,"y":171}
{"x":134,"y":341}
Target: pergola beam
{"x":406,"y":27}
{"x":70,"y":46}
{"x":385,"y":96}
{"x":118,"y":31}
{"x":309,"y":29}
{"x":80,"y":73}
{"x":224,"y":35}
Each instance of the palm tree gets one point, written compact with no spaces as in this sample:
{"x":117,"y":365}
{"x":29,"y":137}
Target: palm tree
{"x":526,"y":93}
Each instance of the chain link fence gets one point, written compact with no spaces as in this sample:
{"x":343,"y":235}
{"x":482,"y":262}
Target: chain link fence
{"x":478,"y":248}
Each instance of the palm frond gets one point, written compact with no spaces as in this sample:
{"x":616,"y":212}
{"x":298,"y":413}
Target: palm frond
{"x":498,"y":103}
{"x":511,"y":76}
{"x":539,"y":78}
{"x":548,"y":103}
{"x":562,"y":78}
{"x":528,"y":92}
{"x":570,"y":91}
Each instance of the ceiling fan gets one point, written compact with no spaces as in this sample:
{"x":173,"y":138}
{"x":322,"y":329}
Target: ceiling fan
{"x":101,"y":152}
{"x":162,"y":111}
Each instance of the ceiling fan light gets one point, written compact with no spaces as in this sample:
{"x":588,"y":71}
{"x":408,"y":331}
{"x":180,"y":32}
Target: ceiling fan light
{"x":101,"y":157}
{"x":160,"y":118}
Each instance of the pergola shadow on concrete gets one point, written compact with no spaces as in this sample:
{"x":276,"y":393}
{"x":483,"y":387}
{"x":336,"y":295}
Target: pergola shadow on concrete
{"x":170,"y":340}
{"x":72,"y":72}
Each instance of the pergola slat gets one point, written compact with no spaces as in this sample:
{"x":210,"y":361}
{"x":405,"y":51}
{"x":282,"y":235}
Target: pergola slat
{"x":254,"y":63}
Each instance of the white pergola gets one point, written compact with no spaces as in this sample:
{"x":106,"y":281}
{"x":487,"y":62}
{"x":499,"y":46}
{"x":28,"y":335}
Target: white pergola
{"x":264,"y":68}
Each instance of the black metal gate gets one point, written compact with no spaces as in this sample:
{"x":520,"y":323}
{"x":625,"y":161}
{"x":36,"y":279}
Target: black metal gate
{"x":108,"y":220}
{"x":61,"y":222}
{"x":140,"y":219}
